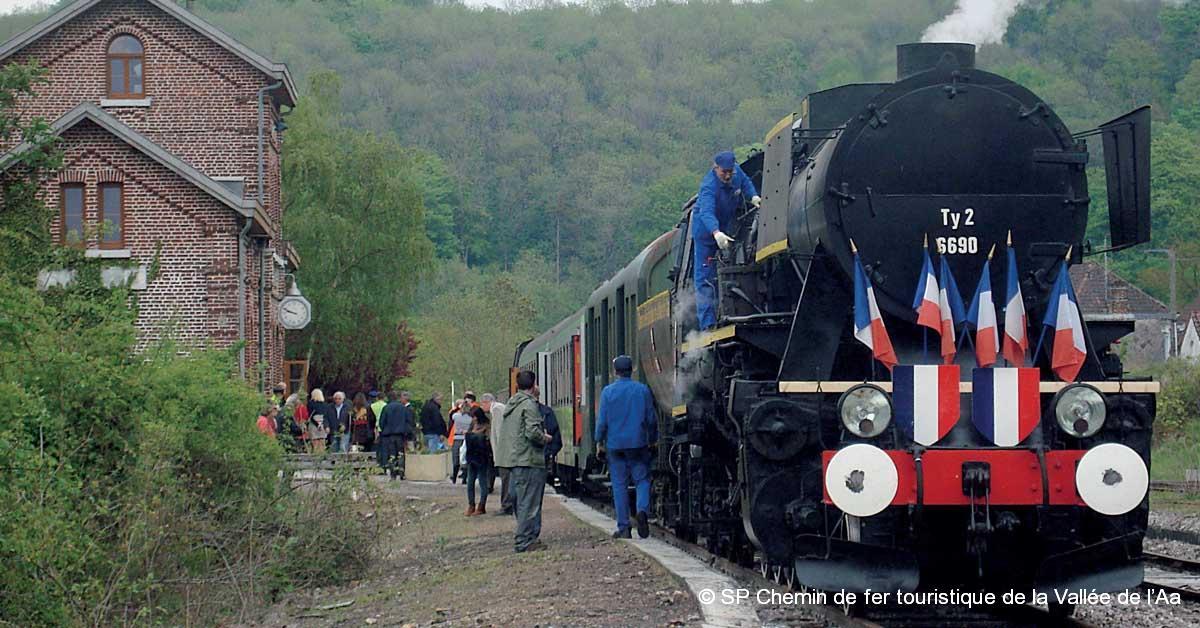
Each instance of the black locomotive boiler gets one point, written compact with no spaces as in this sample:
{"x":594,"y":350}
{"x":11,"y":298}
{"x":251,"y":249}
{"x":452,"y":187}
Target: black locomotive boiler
{"x":754,"y":413}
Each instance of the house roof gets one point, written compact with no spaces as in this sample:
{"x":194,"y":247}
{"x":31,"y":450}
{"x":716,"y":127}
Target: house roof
{"x":278,"y":71}
{"x":247,"y":208}
{"x":1104,"y":295}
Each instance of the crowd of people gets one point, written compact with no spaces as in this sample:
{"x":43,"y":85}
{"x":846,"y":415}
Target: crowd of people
{"x":514,"y":442}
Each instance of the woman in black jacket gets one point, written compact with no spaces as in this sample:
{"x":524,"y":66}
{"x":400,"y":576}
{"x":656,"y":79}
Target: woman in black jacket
{"x":479,"y":460}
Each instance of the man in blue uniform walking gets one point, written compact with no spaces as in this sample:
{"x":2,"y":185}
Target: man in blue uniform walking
{"x":722,"y":192}
{"x":626,"y":428}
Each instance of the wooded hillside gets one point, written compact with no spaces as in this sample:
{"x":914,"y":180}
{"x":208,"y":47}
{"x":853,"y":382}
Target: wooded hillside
{"x":568,"y":136}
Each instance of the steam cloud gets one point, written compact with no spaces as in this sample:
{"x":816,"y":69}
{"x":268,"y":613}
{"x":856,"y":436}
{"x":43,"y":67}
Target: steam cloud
{"x":687,"y":374}
{"x":974,"y":22}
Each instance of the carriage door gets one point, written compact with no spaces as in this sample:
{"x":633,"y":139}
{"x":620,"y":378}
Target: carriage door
{"x":605,"y":355}
{"x":543,"y":376}
{"x":577,"y":386}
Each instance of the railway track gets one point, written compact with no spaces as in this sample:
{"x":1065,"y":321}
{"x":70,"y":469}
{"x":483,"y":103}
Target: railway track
{"x":781,"y":578}
{"x":1172,"y":486}
{"x":1173,"y":575}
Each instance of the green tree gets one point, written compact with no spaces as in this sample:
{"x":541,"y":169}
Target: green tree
{"x":355,"y":211}
{"x":25,"y":246}
{"x":1187,"y":98}
{"x":1134,"y":71}
{"x":468,"y":334}
{"x":1180,"y":23}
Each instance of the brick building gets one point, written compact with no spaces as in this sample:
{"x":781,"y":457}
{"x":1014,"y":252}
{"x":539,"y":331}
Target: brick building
{"x":171,"y":132}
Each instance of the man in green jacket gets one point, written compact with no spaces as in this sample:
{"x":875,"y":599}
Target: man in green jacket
{"x":523,"y":440}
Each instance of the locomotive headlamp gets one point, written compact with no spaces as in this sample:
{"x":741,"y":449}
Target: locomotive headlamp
{"x":865,"y":410}
{"x":1080,"y":410}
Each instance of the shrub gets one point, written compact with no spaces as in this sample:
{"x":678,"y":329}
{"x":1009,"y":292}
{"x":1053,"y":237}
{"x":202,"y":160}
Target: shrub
{"x":136,"y":487}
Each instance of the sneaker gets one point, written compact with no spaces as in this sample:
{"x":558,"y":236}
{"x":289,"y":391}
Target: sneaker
{"x":622,"y":533}
{"x":643,"y":524}
{"x":535,"y":546}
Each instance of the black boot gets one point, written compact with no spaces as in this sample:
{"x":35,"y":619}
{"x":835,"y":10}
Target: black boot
{"x":643,"y":524}
{"x":622,"y":533}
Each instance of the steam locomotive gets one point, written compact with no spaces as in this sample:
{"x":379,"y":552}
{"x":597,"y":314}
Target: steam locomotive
{"x":761,"y":418}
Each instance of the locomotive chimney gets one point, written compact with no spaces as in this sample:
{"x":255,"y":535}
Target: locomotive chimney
{"x":915,"y":58}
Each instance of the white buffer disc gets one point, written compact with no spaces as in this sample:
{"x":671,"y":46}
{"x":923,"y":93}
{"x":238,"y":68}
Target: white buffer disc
{"x":1112,"y":479}
{"x":861,"y":480}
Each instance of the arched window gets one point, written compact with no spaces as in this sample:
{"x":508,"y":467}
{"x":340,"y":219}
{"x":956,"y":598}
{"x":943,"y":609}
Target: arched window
{"x":125,"y":57}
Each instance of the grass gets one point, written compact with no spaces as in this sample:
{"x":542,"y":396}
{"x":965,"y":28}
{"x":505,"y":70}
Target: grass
{"x":1171,"y":458}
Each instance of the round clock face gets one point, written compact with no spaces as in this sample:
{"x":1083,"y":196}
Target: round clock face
{"x":294,"y":313}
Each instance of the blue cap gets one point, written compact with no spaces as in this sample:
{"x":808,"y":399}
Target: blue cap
{"x":374,"y":394}
{"x":623,"y":364}
{"x":725,"y":160}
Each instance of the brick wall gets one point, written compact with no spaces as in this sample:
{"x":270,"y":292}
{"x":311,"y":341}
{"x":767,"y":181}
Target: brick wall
{"x":203,"y":109}
{"x":193,"y":297}
{"x":203,"y":98}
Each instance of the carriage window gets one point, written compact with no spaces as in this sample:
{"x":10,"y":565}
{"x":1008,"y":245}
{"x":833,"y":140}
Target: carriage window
{"x":125,"y":64}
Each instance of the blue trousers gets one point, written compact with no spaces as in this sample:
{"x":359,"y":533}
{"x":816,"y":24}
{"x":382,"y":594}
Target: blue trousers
{"x":478,"y":473}
{"x":622,"y":463}
{"x":704,"y":275}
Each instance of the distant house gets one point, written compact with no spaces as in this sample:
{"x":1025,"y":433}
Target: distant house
{"x":1189,"y":345}
{"x":172,"y":132}
{"x":1105,"y":296}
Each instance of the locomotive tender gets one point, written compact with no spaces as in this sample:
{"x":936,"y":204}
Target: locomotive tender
{"x":753,"y":412}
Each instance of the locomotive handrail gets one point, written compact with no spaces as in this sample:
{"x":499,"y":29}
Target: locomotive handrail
{"x":967,"y":387}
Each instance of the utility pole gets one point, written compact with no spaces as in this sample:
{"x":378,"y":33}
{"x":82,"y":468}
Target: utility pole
{"x":1171,"y":261}
{"x":1171,"y":274}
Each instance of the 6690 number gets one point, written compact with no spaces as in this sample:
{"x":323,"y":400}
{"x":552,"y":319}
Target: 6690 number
{"x":957,"y":245}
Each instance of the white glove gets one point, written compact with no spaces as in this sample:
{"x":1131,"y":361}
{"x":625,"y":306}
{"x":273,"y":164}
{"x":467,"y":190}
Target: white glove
{"x":756,"y":201}
{"x":723,"y":241}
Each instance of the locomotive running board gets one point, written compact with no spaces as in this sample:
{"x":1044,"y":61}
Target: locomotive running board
{"x":1127,"y":387}
{"x":855,"y":566}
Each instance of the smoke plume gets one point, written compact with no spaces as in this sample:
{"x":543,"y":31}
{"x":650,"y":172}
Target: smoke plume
{"x":974,"y":22}
{"x":687,"y":373}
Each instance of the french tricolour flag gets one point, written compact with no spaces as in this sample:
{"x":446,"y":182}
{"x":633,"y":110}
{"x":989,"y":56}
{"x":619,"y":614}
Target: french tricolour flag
{"x":982,"y":316}
{"x":926,"y":401}
{"x":1016,"y":342}
{"x":868,"y":323}
{"x":925,"y":301}
{"x":950,"y":310}
{"x":1062,"y":315}
{"x":1005,"y":404}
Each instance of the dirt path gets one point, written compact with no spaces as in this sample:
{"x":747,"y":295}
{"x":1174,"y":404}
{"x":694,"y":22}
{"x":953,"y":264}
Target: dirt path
{"x":441,"y":568}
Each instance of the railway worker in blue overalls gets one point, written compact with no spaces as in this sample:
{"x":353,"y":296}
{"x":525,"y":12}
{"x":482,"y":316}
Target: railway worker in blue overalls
{"x":626,"y":428}
{"x":722,"y":192}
